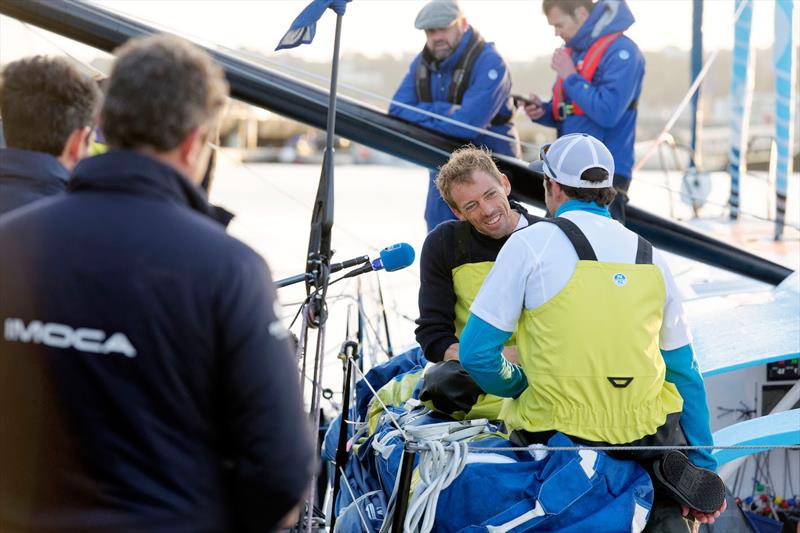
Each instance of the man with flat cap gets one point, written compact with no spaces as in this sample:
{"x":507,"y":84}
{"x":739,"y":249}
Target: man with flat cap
{"x":460,"y":76}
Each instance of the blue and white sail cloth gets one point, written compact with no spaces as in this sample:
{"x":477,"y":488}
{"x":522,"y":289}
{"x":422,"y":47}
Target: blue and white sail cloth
{"x":742,"y":83}
{"x":494,"y":488}
{"x":304,"y":27}
{"x":785,"y":59}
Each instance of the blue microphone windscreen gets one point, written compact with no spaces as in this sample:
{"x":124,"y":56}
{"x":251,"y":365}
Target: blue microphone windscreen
{"x":397,"y":256}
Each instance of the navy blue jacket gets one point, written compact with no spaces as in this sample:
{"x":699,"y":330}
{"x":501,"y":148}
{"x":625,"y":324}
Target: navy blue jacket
{"x":617,"y":83}
{"x":145,"y":381}
{"x":27,"y":176}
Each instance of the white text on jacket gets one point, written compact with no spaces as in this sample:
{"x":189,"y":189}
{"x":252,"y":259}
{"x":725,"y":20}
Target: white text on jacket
{"x":63,"y":336}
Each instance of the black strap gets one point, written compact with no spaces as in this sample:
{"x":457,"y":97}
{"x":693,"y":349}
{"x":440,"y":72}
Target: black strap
{"x":463,"y":69}
{"x":576,"y":237}
{"x":644,"y":252}
{"x":422,"y":82}
{"x":462,"y":240}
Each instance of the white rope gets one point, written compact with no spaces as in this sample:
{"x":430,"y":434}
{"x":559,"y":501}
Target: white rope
{"x":438,"y":468}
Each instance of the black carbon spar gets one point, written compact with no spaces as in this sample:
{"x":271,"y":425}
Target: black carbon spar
{"x":262,"y":87}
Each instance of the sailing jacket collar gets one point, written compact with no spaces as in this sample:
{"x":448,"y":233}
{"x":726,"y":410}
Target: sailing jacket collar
{"x":130,"y":172}
{"x":448,"y":63}
{"x":37,"y":166}
{"x":608,"y":16}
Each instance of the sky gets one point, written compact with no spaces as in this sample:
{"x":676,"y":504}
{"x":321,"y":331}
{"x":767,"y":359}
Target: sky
{"x":375,"y":27}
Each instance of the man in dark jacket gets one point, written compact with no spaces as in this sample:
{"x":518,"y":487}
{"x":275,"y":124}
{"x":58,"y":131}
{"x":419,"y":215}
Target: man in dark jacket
{"x":463,"y":78}
{"x":48,"y":109}
{"x":599,"y":74}
{"x":146,"y":383}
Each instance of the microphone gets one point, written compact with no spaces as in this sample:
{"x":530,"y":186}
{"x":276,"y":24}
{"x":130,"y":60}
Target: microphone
{"x":394,"y":257}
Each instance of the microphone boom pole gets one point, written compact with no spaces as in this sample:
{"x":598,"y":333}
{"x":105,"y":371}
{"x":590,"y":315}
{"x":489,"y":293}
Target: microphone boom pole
{"x":319,"y":256}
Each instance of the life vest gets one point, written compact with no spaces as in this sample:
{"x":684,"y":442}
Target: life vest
{"x":591,"y":353}
{"x":459,"y":81}
{"x":586,"y":68}
{"x":468,"y":277}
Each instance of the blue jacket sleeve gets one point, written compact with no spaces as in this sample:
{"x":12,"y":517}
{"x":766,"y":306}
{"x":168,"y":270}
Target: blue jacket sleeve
{"x":407,"y":94}
{"x":547,"y":118}
{"x":483,"y":99}
{"x":480,"y":351}
{"x":614,"y":85}
{"x":683,"y":372}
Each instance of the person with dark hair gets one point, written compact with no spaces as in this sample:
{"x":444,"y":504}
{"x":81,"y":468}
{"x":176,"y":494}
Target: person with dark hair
{"x":599,"y":75}
{"x":48,"y":109}
{"x":146,"y":381}
{"x":605,"y":352}
{"x":459,"y":76}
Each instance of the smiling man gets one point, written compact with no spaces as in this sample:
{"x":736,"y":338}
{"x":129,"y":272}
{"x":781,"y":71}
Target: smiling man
{"x":462,"y":77}
{"x":457,"y":255}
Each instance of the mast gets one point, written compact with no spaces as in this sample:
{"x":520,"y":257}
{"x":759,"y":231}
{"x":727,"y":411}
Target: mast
{"x":696,"y":66}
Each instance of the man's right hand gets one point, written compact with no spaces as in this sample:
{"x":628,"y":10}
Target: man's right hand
{"x":534,"y":108}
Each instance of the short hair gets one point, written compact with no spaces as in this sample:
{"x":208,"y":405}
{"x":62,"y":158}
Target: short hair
{"x":160,"y":89}
{"x":43,"y":100}
{"x":459,"y":168}
{"x":567,"y":6}
{"x":601,"y":197}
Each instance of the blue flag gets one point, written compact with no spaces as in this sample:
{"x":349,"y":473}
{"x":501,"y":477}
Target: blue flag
{"x":304,"y":26}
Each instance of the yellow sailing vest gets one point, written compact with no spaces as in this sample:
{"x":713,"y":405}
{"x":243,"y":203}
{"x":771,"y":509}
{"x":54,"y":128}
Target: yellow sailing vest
{"x":467,"y":280}
{"x":591,"y":353}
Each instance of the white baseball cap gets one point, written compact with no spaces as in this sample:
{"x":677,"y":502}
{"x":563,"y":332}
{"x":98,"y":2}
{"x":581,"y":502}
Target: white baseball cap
{"x":565,"y":160}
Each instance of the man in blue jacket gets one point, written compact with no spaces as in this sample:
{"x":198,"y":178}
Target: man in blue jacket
{"x":48,"y":109}
{"x":146,"y":383}
{"x":599,"y":80}
{"x":461,"y":77}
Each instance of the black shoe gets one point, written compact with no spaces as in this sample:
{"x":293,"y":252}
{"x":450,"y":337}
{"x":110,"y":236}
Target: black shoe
{"x":695,"y":487}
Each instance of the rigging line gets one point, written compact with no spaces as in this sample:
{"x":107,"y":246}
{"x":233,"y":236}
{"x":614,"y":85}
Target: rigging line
{"x":47,"y":39}
{"x":686,"y":99}
{"x":766,"y":447}
{"x":376,"y":96}
{"x":251,"y":58}
{"x":353,"y":497}
{"x":651,"y":183}
{"x":394,"y":420}
{"x":301,"y":203}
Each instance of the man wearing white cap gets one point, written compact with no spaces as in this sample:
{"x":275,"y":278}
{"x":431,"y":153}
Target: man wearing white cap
{"x":460,"y":76}
{"x":605,"y":351}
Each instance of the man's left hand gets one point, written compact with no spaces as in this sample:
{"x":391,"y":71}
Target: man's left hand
{"x":562,"y":63}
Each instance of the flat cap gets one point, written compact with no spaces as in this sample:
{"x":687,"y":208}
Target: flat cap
{"x":438,"y":14}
